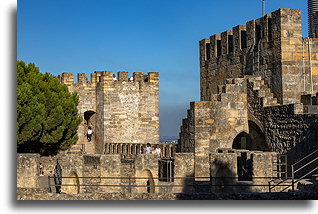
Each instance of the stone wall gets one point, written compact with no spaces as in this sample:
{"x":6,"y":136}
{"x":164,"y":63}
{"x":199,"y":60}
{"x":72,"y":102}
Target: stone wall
{"x":223,"y":171}
{"x":111,"y":167}
{"x":28,"y":170}
{"x":39,"y":194}
{"x":146,"y":168}
{"x":289,"y":129}
{"x":241,"y":168}
{"x":271,"y":47}
{"x":247,"y":105}
{"x":118,"y":110}
{"x":186,"y":135}
{"x":216,"y":123}
{"x":184,"y":168}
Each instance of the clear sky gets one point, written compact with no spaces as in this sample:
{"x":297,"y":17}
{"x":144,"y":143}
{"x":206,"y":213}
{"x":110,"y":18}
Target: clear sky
{"x":83,"y":36}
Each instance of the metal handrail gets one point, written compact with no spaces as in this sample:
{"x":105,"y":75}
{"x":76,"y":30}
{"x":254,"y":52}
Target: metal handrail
{"x":306,"y":175}
{"x":98,"y":177}
{"x":294,"y":171}
{"x":306,"y":165}
{"x":305,"y":157}
{"x":278,"y":184}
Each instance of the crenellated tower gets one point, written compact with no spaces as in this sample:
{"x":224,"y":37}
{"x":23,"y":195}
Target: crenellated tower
{"x":120,"y":109}
{"x":271,"y":47}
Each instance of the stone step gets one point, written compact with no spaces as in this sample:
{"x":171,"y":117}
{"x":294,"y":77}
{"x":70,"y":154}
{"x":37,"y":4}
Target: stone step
{"x":267,"y":101}
{"x":88,"y":146}
{"x":306,"y":185}
{"x":43,"y":181}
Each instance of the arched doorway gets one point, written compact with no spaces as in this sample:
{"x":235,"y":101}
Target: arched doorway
{"x":147,"y":181}
{"x":89,"y":121}
{"x":255,"y":140}
{"x":258,"y":138}
{"x":74,"y":180}
{"x":89,"y":116}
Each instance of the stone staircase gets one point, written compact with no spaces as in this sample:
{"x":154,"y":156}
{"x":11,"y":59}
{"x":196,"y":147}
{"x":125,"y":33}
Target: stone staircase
{"x":263,"y":90}
{"x":234,"y":85}
{"x":83,"y":147}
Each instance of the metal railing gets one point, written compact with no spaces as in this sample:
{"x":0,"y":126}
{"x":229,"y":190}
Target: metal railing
{"x":280,"y":171}
{"x":295,"y":168}
{"x":307,"y":163}
{"x":280,"y":182}
{"x":189,"y":182}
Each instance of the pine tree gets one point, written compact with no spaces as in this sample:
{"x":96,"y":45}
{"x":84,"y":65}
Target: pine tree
{"x":47,"y":118}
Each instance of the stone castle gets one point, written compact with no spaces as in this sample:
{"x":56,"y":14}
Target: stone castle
{"x":257,"y":115}
{"x":123,"y":111}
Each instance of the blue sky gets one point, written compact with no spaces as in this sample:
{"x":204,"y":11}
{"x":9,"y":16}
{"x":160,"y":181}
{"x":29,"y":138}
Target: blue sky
{"x":83,"y":36}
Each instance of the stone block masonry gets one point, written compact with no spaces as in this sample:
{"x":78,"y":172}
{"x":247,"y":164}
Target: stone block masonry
{"x":271,"y":47}
{"x":120,"y":110}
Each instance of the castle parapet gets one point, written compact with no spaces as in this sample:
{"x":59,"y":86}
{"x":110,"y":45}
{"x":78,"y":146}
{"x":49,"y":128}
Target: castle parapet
{"x":66,"y":78}
{"x":267,"y":29}
{"x":107,"y":76}
{"x":82,"y":78}
{"x":215,"y":45}
{"x":153,"y":77}
{"x":122,"y":76}
{"x":239,"y":38}
{"x":227,"y":42}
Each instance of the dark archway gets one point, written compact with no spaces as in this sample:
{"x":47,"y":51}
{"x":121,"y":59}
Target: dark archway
{"x":258,"y":138}
{"x":242,"y":141}
{"x":255,"y":140}
{"x":88,"y":116}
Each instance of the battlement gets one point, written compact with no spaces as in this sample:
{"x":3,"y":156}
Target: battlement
{"x":106,"y":76}
{"x":271,"y":47}
{"x":244,"y":37}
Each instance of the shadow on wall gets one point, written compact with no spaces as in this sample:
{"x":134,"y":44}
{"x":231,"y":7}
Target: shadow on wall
{"x":307,"y":145}
{"x":223,"y":180}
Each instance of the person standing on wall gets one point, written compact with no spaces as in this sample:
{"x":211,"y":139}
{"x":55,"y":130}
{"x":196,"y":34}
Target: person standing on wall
{"x":89,"y":134}
{"x":158,"y":151}
{"x":147,"y":150}
{"x":41,"y":169}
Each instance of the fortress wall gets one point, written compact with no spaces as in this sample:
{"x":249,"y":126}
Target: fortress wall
{"x":289,"y":129}
{"x":186,"y":135}
{"x":125,"y":111}
{"x":110,"y":167}
{"x":184,"y":167}
{"x":271,"y":47}
{"x":130,"y":110}
{"x":28,"y":170}
{"x":146,"y":167}
{"x":262,"y":167}
{"x":216,"y":123}
{"x":223,"y":165}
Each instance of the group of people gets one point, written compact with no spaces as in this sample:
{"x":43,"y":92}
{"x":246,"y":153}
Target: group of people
{"x":152,"y":150}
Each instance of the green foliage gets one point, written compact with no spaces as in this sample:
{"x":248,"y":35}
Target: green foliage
{"x":47,"y":113}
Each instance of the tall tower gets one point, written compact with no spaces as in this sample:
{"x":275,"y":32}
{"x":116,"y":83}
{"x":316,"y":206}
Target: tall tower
{"x":312,"y":18}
